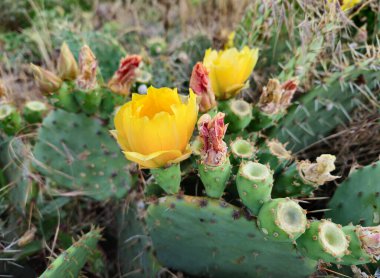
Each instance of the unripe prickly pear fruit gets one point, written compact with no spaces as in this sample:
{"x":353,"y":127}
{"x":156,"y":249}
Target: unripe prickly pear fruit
{"x":34,"y":111}
{"x":324,"y":240}
{"x":282,"y":220}
{"x":238,"y":113}
{"x":215,"y":167}
{"x":254,"y":182}
{"x":10,"y":119}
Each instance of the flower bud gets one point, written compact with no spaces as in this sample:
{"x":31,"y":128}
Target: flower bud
{"x":124,"y":77}
{"x":370,"y":238}
{"x":211,"y":132}
{"x":87,"y":69}
{"x":276,"y":97}
{"x":46,"y":80}
{"x":67,"y":66}
{"x":200,"y":84}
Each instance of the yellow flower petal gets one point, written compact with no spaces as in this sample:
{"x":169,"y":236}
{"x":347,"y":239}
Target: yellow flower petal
{"x":155,"y":129}
{"x":229,"y":70}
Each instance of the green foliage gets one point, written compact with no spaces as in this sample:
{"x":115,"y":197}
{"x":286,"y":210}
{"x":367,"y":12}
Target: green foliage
{"x":357,"y":199}
{"x":78,"y":153}
{"x":211,"y":238}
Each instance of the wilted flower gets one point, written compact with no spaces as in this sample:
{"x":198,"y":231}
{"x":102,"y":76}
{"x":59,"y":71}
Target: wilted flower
{"x":211,"y":133}
{"x":370,"y":238}
{"x":46,"y":80}
{"x":87,"y":69}
{"x":277,"y":97}
{"x":154,"y":130}
{"x":319,"y":172}
{"x":200,"y":84}
{"x":229,"y":70}
{"x":67,"y":66}
{"x":124,"y":77}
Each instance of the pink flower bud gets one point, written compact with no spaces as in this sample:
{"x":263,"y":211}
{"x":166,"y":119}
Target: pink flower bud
{"x":200,"y":84}
{"x":124,"y":77}
{"x":211,"y":132}
{"x":87,"y":69}
{"x":276,"y":97}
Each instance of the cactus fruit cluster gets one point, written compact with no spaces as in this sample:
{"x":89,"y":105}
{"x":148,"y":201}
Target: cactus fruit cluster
{"x":207,"y":180}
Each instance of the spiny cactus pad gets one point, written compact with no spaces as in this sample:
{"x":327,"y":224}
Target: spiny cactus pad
{"x":357,"y":199}
{"x":71,"y":261}
{"x":134,"y":246}
{"x":324,"y":108}
{"x":211,"y":238}
{"x":78,"y":153}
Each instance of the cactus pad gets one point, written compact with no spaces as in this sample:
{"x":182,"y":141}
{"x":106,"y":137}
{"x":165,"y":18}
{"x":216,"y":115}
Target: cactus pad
{"x":70,"y":262}
{"x":210,"y":238}
{"x":78,"y":153}
{"x":357,"y":199}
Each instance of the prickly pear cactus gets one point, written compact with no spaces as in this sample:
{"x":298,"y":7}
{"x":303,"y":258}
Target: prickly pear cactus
{"x":78,"y":153}
{"x":218,"y":241}
{"x":135,"y":250}
{"x":357,"y":199}
{"x":71,"y":261}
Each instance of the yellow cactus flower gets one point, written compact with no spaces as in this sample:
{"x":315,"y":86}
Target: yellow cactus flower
{"x":347,"y":4}
{"x":154,"y":130}
{"x":229,"y":70}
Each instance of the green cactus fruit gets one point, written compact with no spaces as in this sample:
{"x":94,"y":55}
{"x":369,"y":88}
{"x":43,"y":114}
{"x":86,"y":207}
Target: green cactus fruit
{"x":64,"y":98}
{"x":34,"y":111}
{"x":303,"y":177}
{"x":168,"y":178}
{"x":357,"y":255}
{"x":357,"y":199}
{"x":71,"y":261}
{"x":189,"y":234}
{"x":77,"y":153}
{"x":88,"y":101}
{"x":238,"y":114}
{"x":324,"y":240}
{"x":10,"y":119}
{"x":215,"y":178}
{"x":275,"y":154}
{"x":241,"y":150}
{"x":135,"y":252}
{"x":254,"y":182}
{"x":282,"y":220}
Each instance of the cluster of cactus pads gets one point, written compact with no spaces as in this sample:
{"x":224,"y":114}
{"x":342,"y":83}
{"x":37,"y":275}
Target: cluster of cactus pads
{"x":238,"y":209}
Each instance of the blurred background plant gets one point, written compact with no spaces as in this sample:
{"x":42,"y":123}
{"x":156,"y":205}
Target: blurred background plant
{"x":37,"y":219}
